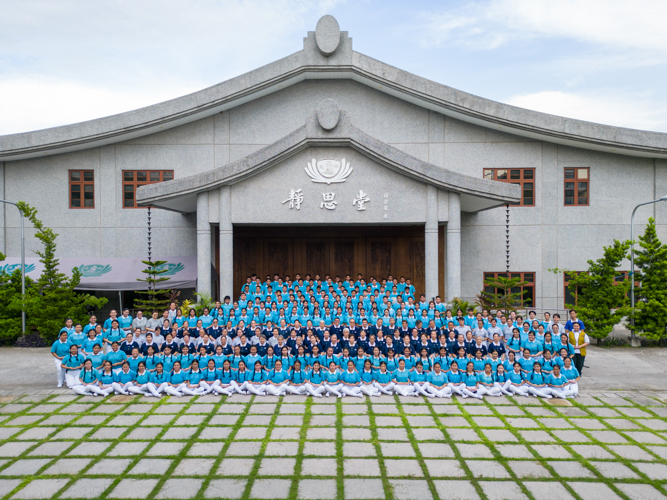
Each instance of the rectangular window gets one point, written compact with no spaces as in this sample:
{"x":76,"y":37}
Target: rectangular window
{"x":132,"y":179}
{"x":81,"y":189}
{"x":528,"y":288}
{"x":577,"y":192}
{"x":524,"y":177}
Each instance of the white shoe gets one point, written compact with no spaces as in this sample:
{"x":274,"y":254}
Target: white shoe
{"x":59,"y":386}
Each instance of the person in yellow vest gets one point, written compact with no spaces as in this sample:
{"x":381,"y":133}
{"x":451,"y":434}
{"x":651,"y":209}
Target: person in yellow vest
{"x":579,"y":340}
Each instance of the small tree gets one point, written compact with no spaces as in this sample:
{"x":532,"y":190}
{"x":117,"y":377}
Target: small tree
{"x":53,"y":299}
{"x":601,"y":300}
{"x":154,"y":299}
{"x":503,"y":297}
{"x":10,"y":298}
{"x":651,"y":294}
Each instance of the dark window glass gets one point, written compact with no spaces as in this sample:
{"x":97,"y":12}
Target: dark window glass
{"x":582,"y":193}
{"x":515,"y":174}
{"x":528,"y":173}
{"x":569,"y":193}
{"x":528,"y":193}
{"x":569,"y":173}
{"x":128,"y":176}
{"x":502,"y":175}
{"x":141,"y":176}
{"x":155,"y":177}
{"x":75,"y":176}
{"x":88,"y":176}
{"x":167,"y":176}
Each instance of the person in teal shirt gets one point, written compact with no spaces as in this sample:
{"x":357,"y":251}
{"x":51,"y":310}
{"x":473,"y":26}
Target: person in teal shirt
{"x":91,"y":340}
{"x":332,"y":383}
{"x":419,"y":381}
{"x":401,"y":380}
{"x":159,"y":379}
{"x":135,"y":359}
{"x":256,"y":382}
{"x":486,"y":382}
{"x":478,"y":362}
{"x":515,"y":344}
{"x":241,"y":376}
{"x":69,"y":326}
{"x":572,"y":375}
{"x":518,"y":379}
{"x":455,"y":378}
{"x":383,"y":379}
{"x":526,"y":362}
{"x":87,"y":380}
{"x":277,"y":380}
{"x":438,"y":383}
{"x":471,"y":382}
{"x":297,"y":379}
{"x":367,"y":376}
{"x":113,"y":334}
{"x":537,"y":382}
{"x":123,"y":380}
{"x":72,"y":364}
{"x":186,"y":359}
{"x":195,"y":376}
{"x":533,"y":346}
{"x":225,"y":379}
{"x":350,"y":379}
{"x":501,"y":380}
{"x":557,"y":383}
{"x":105,"y":379}
{"x":316,"y":378}
{"x":178,"y":379}
{"x":60,"y":349}
{"x":77,"y":336}
{"x":142,"y":382}
{"x":116,"y":356}
{"x":218,"y":358}
{"x":97,"y":358}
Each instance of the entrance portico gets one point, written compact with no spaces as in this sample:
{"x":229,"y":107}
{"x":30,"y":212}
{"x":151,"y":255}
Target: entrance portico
{"x":330,"y":173}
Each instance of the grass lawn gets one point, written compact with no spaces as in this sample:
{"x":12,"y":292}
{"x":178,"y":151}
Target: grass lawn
{"x":64,"y":446}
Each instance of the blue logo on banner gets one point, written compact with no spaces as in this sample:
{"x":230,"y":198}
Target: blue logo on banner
{"x":10,"y":268}
{"x":171,"y":268}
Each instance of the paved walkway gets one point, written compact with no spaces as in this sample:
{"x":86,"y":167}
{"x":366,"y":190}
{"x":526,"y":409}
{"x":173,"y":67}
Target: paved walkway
{"x":607,"y":446}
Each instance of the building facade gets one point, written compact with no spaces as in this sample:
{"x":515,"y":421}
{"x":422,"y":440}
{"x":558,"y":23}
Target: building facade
{"x":331,"y":162}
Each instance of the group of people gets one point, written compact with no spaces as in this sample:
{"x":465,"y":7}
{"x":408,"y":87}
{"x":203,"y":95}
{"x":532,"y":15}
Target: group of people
{"x":322,"y":338}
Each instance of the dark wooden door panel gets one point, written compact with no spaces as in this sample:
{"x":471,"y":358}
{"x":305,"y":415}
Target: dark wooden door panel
{"x":317,"y":257}
{"x":247,"y":260}
{"x":416,"y":262}
{"x":379,"y":262}
{"x":343,"y":258}
{"x":278,"y":256}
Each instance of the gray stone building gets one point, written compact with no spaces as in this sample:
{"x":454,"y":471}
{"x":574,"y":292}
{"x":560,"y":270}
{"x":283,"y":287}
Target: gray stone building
{"x":329,"y":161}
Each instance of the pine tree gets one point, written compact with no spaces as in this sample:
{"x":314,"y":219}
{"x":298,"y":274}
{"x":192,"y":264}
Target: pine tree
{"x":156,"y":300}
{"x":651,"y":294}
{"x":53,"y":298}
{"x":503,"y":298}
{"x":601,"y":300}
{"x":10,"y":298}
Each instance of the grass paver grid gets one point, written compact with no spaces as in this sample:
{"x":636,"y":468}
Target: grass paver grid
{"x":622,"y":437}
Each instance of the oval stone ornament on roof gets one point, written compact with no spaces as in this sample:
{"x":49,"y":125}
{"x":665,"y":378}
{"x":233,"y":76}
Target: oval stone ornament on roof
{"x":328,"y":114}
{"x":327,"y":34}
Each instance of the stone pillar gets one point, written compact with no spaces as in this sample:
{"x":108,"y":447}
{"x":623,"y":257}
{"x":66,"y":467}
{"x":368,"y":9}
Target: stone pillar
{"x":203,"y":245}
{"x":226,"y":243}
{"x":3,"y":247}
{"x":431,"y":243}
{"x":453,"y":250}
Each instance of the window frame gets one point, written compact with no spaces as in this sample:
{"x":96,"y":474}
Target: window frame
{"x":576,"y":182}
{"x":519,"y":182}
{"x":532,"y":283}
{"x":135,"y":183}
{"x":619,"y":274}
{"x":81,"y":183}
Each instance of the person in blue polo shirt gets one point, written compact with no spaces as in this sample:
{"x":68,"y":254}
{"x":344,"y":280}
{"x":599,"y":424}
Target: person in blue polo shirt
{"x":256,"y":381}
{"x":557,"y":383}
{"x":297,"y":379}
{"x":225,"y":379}
{"x":276,"y":383}
{"x":77,"y":336}
{"x":332,"y":383}
{"x":94,"y":338}
{"x":438,"y":384}
{"x":105,"y":380}
{"x":518,"y":380}
{"x":471,"y":382}
{"x":350,"y":380}
{"x":419,"y":380}
{"x":572,"y":375}
{"x":177,"y":381}
{"x":501,"y":380}
{"x":88,"y":379}
{"x":159,"y":379}
{"x":123,"y":380}
{"x":316,"y":377}
{"x":142,"y":380}
{"x":367,"y":375}
{"x":455,"y":378}
{"x":72,"y":364}
{"x":537,"y":382}
{"x":116,"y":357}
{"x":195,"y":376}
{"x":401,"y":380}
{"x":486,"y":382}
{"x":59,"y":350}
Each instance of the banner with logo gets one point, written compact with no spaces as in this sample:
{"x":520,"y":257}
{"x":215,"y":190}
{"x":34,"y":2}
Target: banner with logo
{"x":113,"y":273}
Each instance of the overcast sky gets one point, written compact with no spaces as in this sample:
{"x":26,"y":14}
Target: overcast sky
{"x":64,"y":61}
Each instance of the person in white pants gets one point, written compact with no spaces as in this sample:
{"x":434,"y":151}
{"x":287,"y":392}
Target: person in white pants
{"x":59,"y":350}
{"x":537,"y":382}
{"x":455,"y":378}
{"x":571,"y":373}
{"x":297,"y":379}
{"x":401,"y":379}
{"x":210,"y":378}
{"x":123,"y":380}
{"x":142,"y":382}
{"x":315,"y":385}
{"x":195,"y":376}
{"x":256,"y":383}
{"x":501,"y":380}
{"x":518,"y":380}
{"x":367,"y":385}
{"x":105,"y":380}
{"x":419,"y":381}
{"x":240,"y":378}
{"x":225,"y":378}
{"x":471,"y":388}
{"x":177,"y":381}
{"x":487,"y":383}
{"x":438,"y":383}
{"x":276,"y":381}
{"x":71,"y":365}
{"x":159,"y":380}
{"x":350,"y":379}
{"x":87,"y":380}
{"x":332,"y":383}
{"x":383,"y":380}
{"x":559,"y":384}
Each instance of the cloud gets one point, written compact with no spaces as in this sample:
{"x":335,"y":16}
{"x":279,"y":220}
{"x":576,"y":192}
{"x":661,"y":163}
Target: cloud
{"x":74,"y":59}
{"x":609,"y":107}
{"x":625,"y":25}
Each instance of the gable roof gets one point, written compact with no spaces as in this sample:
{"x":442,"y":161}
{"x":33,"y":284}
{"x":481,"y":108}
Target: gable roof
{"x":328,"y":126}
{"x":328,"y":54}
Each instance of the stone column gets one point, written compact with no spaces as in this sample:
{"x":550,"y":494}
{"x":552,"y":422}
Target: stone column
{"x":431,"y":243}
{"x":453,"y":250}
{"x":226,"y":243}
{"x":203,"y":245}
